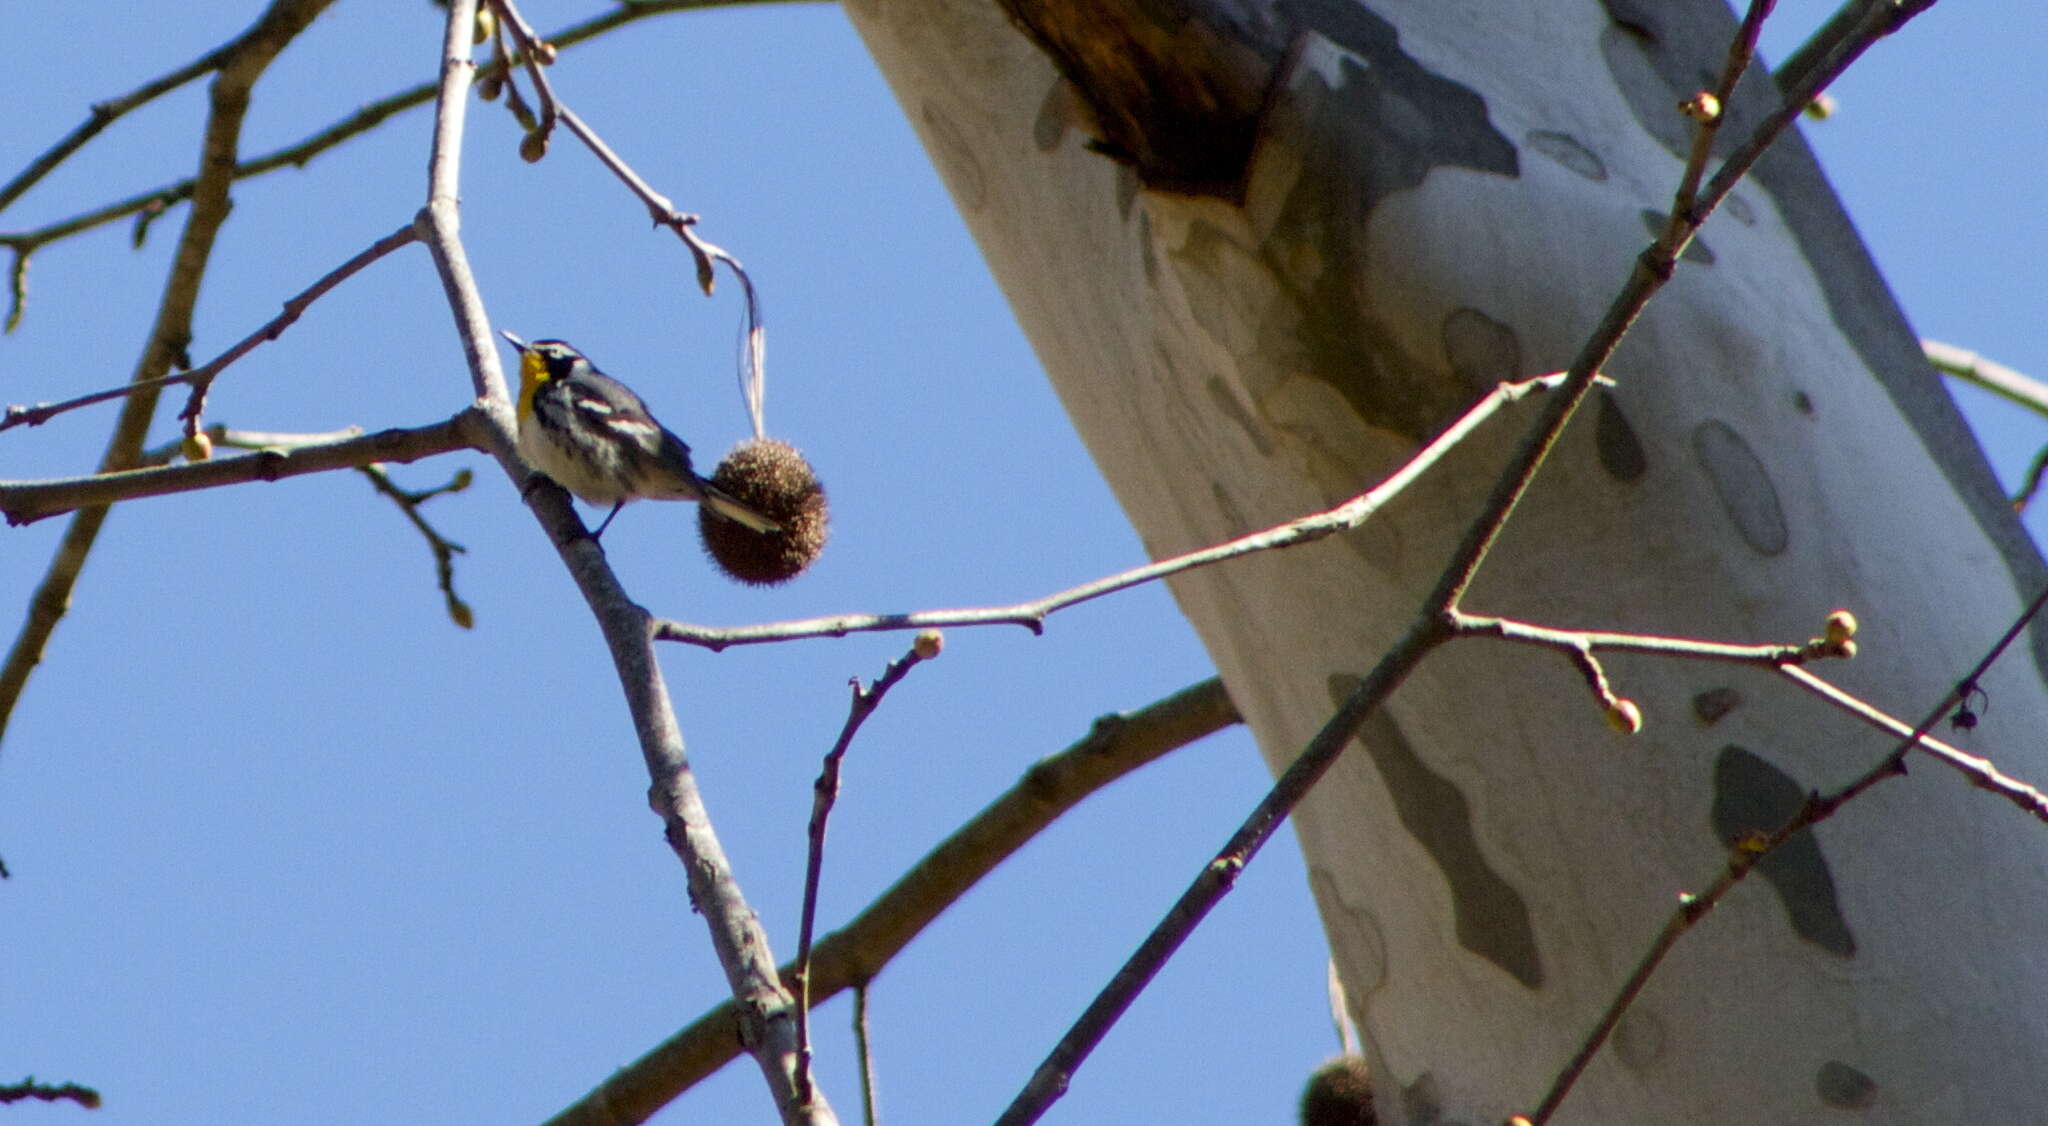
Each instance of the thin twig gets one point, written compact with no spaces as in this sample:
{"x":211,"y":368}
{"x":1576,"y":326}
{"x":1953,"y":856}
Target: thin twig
{"x":238,"y":439}
{"x":823,"y":794}
{"x":1031,"y":615}
{"x":200,"y":377}
{"x":1981,"y":772}
{"x":2007,"y":383}
{"x":857,"y":952}
{"x":104,"y":114}
{"x":1785,"y":660}
{"x":2000,"y":380}
{"x":534,"y":54}
{"x":220,"y":434}
{"x":705,"y":254}
{"x":445,"y":550}
{"x":1864,"y":20}
{"x":1817,"y":808}
{"x":1624,"y":714}
{"x":1569,"y":640}
{"x":864,"y":1054}
{"x":24,"y":502}
{"x":2037,"y":470}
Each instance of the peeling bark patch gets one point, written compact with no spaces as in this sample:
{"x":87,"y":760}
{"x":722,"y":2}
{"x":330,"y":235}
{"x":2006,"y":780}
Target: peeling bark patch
{"x":1567,"y":151}
{"x":1715,"y":703}
{"x":1631,"y":62}
{"x":1322,"y":334}
{"x":1173,"y":89}
{"x":1126,"y":191}
{"x":1637,"y":19}
{"x":1355,"y":941}
{"x":1696,"y":251}
{"x":1639,"y":1039}
{"x":1422,"y":1104}
{"x":1365,"y":364}
{"x":1228,"y":406}
{"x":1743,"y":485}
{"x":1377,"y":123}
{"x":1388,"y":118}
{"x":1753,"y":796}
{"x":1148,"y":251}
{"x":1492,"y":921}
{"x":1843,"y":1087}
{"x":1233,"y":517}
{"x":1621,"y":451}
{"x":1050,"y":126}
{"x":1483,"y":352}
{"x":955,"y":158}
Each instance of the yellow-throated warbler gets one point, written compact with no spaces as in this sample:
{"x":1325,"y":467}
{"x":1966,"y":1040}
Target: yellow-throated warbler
{"x":595,"y":437}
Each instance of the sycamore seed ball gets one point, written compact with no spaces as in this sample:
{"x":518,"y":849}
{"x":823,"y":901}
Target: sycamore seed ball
{"x":772,"y":478}
{"x":1339,"y":1094}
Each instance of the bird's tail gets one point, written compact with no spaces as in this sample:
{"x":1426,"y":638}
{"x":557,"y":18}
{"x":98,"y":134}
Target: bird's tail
{"x":732,"y":508}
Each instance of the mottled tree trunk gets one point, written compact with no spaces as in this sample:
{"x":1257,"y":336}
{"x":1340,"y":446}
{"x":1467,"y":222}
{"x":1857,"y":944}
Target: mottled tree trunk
{"x":1265,"y":247}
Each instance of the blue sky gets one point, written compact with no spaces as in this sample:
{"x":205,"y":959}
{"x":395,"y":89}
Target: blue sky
{"x":288,"y":846}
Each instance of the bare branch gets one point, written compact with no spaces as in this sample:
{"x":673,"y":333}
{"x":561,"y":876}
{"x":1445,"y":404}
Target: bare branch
{"x":297,"y":155}
{"x":536,"y":54}
{"x":2014,"y":387}
{"x":825,"y":793}
{"x":25,"y":502}
{"x":1981,"y":772}
{"x":201,"y":377}
{"x":1785,"y":660}
{"x":1571,"y":641}
{"x":766,"y":1009}
{"x":1817,"y":808}
{"x":1971,"y":368}
{"x":864,"y":1053}
{"x":445,"y":550}
{"x":104,"y":114}
{"x":1031,"y":615}
{"x":1117,"y":745}
{"x":245,"y":62}
{"x":1622,"y":713}
{"x":49,"y":1093}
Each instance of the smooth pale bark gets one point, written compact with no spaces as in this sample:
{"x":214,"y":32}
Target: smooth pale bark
{"x":1439,"y":196}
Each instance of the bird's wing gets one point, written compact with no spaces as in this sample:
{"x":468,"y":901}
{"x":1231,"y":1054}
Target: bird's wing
{"x":607,"y":404}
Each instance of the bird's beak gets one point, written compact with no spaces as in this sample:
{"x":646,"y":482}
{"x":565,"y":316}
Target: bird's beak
{"x":516,"y":342}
